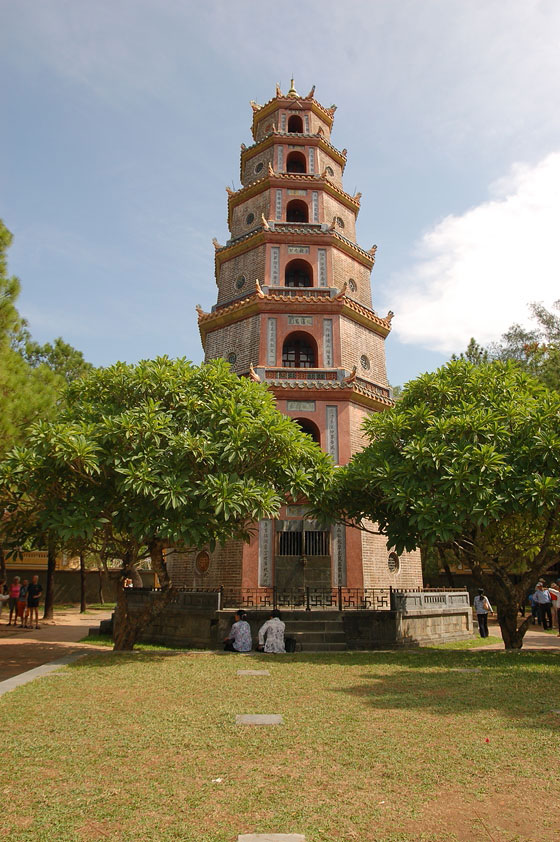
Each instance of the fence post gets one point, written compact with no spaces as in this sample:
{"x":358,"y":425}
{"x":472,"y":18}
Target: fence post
{"x":391,"y":598}
{"x":339,"y":598}
{"x":274,"y":600}
{"x":307,"y":602}
{"x":220,"y":597}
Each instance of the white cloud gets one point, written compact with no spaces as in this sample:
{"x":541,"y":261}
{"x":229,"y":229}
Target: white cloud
{"x":476,"y":273}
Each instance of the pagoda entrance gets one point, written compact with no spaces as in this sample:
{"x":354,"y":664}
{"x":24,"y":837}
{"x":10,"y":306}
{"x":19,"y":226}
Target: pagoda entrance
{"x":303,"y":555}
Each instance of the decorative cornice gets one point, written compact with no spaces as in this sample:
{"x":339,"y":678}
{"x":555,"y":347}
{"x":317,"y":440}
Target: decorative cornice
{"x":356,"y":391}
{"x":277,"y":179}
{"x":272,"y":301}
{"x":279,"y":232}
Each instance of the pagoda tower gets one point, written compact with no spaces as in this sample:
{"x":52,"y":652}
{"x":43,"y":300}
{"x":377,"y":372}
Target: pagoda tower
{"x":294,"y":310}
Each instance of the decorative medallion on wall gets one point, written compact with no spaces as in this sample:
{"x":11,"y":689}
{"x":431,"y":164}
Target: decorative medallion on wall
{"x":259,"y":166}
{"x":232,"y":358}
{"x":364,"y":362}
{"x":202,"y":562}
{"x":249,"y":219}
{"x":352,"y":285}
{"x":339,"y":221}
{"x":329,"y":170}
{"x":240,"y":282}
{"x":393,"y":563}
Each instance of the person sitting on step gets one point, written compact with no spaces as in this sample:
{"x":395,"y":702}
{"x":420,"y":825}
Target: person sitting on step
{"x":273,"y":631}
{"x":239,"y":638}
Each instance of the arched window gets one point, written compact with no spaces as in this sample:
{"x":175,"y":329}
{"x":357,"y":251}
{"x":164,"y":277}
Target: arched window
{"x":298,"y":274}
{"x":296,"y":162}
{"x":297,"y":211}
{"x":295,"y":124}
{"x":299,"y":351}
{"x":310,"y":428}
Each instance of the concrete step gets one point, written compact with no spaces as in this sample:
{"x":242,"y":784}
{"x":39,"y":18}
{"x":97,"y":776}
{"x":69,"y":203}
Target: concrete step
{"x":313,"y":625}
{"x":322,"y":647}
{"x":319,"y":637}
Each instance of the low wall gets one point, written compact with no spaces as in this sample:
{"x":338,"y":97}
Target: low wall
{"x":194,"y":620}
{"x":67,"y":583}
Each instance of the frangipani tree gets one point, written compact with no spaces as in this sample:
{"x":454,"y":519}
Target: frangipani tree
{"x":467,"y":463}
{"x":160,"y":454}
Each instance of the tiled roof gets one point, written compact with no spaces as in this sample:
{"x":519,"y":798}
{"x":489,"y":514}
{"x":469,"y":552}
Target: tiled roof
{"x":320,"y":137}
{"x":313,"y":179}
{"x":288,"y":228}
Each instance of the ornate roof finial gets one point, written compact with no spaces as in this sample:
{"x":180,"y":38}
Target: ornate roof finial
{"x":278,"y":91}
{"x":292,"y":92}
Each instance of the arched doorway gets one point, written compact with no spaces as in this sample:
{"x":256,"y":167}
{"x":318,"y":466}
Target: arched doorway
{"x":296,"y":162}
{"x":299,"y":351}
{"x":295,"y":124}
{"x":298,"y":273}
{"x":309,"y":428}
{"x":297,"y":211}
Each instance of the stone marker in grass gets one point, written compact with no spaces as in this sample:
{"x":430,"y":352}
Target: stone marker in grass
{"x":258,"y":719}
{"x":253,"y":672}
{"x":271,"y":837}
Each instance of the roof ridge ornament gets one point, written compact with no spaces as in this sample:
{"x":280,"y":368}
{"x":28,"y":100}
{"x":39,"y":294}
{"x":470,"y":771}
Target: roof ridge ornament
{"x":311,"y":93}
{"x":253,"y":374}
{"x":278,"y":91}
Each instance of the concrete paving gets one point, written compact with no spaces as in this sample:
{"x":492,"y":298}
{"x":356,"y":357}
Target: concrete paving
{"x":37,"y":672}
{"x":271,"y":837}
{"x":258,"y":719}
{"x":535,"y":640}
{"x":253,"y":672}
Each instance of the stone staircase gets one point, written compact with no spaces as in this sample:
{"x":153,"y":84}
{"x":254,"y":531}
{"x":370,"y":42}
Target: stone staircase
{"x":319,"y":631}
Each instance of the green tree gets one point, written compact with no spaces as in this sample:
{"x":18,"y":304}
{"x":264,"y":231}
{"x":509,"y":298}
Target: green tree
{"x":59,"y":356}
{"x":475,"y":353}
{"x":467,"y":464}
{"x":160,"y":454}
{"x":536,"y":350}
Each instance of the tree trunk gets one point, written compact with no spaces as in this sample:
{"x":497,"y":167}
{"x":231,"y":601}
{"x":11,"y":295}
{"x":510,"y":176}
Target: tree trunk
{"x":125,"y":629}
{"x":511,"y":633}
{"x":49,"y":591}
{"x":3,"y":574}
{"x":83,"y":605}
{"x":100,"y":594}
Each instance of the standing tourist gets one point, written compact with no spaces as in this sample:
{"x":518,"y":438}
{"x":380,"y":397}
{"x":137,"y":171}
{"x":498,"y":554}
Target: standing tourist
{"x":239,"y":638}
{"x":273,"y":631}
{"x":14,"y":596}
{"x":555,"y":592}
{"x":34,"y":592}
{"x":21,"y":608}
{"x":543,"y":600}
{"x":482,"y":608}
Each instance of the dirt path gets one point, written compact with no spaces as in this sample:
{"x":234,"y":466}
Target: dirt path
{"x":24,"y":649}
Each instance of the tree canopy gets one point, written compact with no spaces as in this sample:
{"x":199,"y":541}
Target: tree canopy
{"x":162,"y":453}
{"x":468,"y":462}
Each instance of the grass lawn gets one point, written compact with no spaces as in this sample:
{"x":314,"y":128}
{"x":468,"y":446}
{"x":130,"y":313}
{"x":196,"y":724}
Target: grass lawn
{"x":376,"y":747}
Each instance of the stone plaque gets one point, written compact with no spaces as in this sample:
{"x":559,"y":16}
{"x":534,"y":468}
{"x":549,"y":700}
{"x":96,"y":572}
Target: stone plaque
{"x":315,"y":206}
{"x":271,"y":342}
{"x":300,"y":320}
{"x":280,"y":159}
{"x":311,"y":161}
{"x":332,"y":432}
{"x":266,"y":552}
{"x":298,"y":249}
{"x":259,"y":719}
{"x":300,"y":406}
{"x":306,"y":118}
{"x":278,"y":205}
{"x":339,"y":554}
{"x":296,"y":511}
{"x":297,"y":192}
{"x":328,"y":343}
{"x":275,"y":265}
{"x":283,"y":122}
{"x":322,"y":261}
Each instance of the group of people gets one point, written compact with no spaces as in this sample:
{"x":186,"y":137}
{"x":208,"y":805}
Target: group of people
{"x":271,"y":635}
{"x":23,"y":599}
{"x":545,"y":605}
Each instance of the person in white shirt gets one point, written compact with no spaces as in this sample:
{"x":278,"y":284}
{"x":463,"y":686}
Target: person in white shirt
{"x":482,"y":608}
{"x":239,"y":638}
{"x":271,"y":634}
{"x":544,"y":602}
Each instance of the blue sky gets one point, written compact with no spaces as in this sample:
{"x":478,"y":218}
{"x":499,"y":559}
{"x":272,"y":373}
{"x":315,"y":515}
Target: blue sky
{"x":122,"y":123}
